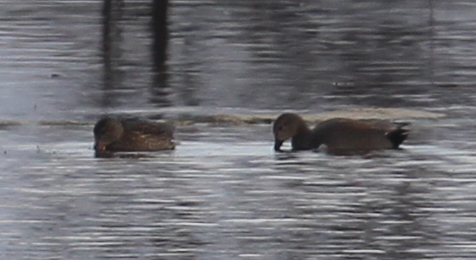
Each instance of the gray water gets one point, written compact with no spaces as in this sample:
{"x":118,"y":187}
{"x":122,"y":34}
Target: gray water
{"x":232,"y":67}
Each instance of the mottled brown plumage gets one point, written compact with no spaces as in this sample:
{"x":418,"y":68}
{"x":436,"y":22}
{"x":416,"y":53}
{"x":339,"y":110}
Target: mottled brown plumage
{"x":126,"y":135}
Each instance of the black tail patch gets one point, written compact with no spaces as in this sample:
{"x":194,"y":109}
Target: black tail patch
{"x":397,"y":136}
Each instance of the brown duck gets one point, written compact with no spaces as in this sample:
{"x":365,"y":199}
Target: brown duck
{"x":125,"y":135}
{"x":338,"y":135}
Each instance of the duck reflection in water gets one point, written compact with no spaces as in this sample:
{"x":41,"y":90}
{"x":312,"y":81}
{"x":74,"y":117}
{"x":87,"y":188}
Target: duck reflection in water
{"x":339,"y":135}
{"x":131,"y":135}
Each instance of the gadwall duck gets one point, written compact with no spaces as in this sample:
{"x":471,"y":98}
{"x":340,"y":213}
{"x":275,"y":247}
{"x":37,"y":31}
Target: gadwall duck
{"x":126,"y":135}
{"x":338,"y":135}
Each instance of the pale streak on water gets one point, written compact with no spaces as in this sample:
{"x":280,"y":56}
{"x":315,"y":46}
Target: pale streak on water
{"x":223,"y":193}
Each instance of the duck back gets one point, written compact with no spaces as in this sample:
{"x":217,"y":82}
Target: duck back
{"x":144,"y":136}
{"x":347,"y":134}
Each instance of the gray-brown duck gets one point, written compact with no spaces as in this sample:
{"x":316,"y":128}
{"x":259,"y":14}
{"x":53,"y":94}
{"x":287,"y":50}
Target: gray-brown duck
{"x":338,"y":135}
{"x":113,"y":134}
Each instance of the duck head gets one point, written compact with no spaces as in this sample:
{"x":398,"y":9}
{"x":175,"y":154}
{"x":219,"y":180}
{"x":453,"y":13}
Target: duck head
{"x":286,"y":126}
{"x":107,"y":131}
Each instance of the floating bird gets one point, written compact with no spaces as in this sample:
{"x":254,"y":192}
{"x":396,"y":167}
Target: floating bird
{"x":127,"y":135}
{"x":338,"y":135}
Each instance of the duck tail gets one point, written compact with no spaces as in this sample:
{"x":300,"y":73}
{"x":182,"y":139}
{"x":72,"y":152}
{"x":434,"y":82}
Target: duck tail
{"x":398,"y":135}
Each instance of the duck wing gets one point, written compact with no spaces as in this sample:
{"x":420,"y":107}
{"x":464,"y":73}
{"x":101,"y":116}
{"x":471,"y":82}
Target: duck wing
{"x":142,"y":127}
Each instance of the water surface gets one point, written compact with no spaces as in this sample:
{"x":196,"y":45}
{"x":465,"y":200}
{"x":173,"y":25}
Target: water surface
{"x":231,"y":68}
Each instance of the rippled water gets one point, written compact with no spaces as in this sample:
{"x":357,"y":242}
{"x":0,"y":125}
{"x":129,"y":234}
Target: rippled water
{"x":231,"y":68}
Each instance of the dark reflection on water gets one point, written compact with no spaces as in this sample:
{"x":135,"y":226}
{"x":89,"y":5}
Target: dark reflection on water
{"x":223,"y":193}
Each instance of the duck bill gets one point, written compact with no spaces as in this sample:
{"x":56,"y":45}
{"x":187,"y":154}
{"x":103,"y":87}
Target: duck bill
{"x":100,"y":151}
{"x":277,"y":145}
{"x":99,"y":146}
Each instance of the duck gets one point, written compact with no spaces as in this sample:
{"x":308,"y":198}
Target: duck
{"x":113,"y":134}
{"x":338,"y":135}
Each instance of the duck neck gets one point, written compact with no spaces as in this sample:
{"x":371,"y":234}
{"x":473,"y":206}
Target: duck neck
{"x":303,"y":139}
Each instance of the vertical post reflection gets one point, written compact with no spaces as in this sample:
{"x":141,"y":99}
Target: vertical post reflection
{"x":111,"y":35}
{"x":160,"y":36}
{"x":106,"y":40}
{"x":160,"y":33}
{"x":431,"y":61}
